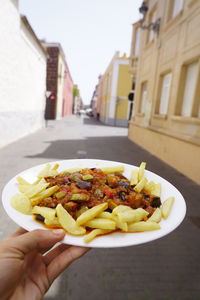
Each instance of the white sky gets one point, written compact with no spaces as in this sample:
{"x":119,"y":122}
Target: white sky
{"x":90,"y":31}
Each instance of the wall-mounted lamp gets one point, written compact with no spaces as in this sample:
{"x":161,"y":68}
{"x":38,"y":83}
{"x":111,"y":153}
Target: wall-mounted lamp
{"x":155,"y":26}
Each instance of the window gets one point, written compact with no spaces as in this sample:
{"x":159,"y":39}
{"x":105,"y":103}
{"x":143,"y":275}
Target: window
{"x":177,"y":7}
{"x":143,"y":97}
{"x":165,"y":93}
{"x":137,"y":41}
{"x":189,"y":93}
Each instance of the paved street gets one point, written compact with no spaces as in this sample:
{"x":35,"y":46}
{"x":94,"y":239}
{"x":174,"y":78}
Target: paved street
{"x":166,"y":269}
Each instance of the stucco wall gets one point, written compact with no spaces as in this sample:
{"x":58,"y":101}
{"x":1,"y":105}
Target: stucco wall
{"x":177,"y":153}
{"x":22,"y":77}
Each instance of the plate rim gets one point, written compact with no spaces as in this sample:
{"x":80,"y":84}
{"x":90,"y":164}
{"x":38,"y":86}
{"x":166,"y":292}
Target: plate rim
{"x":99,"y":241}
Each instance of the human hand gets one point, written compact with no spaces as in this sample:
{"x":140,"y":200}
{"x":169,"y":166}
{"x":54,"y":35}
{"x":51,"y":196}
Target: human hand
{"x":26,"y":270}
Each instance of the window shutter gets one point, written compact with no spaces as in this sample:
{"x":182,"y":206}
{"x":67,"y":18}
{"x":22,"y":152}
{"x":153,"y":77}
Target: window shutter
{"x":189,"y":90}
{"x":165,"y":92}
{"x":144,"y":97}
{"x":178,"y":5}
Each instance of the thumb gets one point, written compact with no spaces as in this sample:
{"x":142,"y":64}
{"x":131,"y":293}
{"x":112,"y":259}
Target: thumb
{"x":36,"y":240}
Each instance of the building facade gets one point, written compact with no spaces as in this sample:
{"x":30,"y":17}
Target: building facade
{"x":22,"y":76}
{"x":94,"y":104}
{"x":113,"y":89}
{"x":59,"y":100}
{"x":166,"y":68}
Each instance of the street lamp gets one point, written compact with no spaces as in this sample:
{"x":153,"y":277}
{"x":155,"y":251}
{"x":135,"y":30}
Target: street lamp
{"x":155,"y":26}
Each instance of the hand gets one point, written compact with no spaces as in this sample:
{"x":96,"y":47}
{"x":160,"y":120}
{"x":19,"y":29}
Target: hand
{"x":26,"y":272}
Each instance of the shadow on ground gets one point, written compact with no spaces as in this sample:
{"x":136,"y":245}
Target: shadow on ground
{"x":166,"y":269}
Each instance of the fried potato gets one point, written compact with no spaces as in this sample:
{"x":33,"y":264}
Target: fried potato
{"x":21,"y":203}
{"x":53,"y":222}
{"x":133,"y":215}
{"x":44,"y":194}
{"x":90,"y":236}
{"x":121,"y":225}
{"x":134,"y":177}
{"x":114,"y":169}
{"x":140,"y":185}
{"x":143,"y":226}
{"x":141,"y":170}
{"x":149,"y":186}
{"x":101,"y":223}
{"x":105,"y":215}
{"x":46,"y":212}
{"x":71,"y":170}
{"x":156,"y":190}
{"x":156,"y":216}
{"x":22,"y":181}
{"x":32,"y":190}
{"x":55,"y":167}
{"x":120,"y":208}
{"x":48,"y":170}
{"x":91,"y":213}
{"x":67,"y":222}
{"x":167,"y":207}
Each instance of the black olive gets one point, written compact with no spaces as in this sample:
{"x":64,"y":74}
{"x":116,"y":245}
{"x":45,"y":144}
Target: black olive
{"x":122,"y":196}
{"x":156,"y":202}
{"x":123,"y":184}
{"x":84,"y":184}
{"x":40,"y":218}
{"x":108,"y":210}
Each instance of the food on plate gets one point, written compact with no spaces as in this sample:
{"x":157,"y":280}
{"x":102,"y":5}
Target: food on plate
{"x":167,"y":206}
{"x":93,"y":201}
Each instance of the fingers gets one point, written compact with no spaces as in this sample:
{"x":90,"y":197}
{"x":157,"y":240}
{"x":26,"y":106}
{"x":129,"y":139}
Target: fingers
{"x":61,"y":262}
{"x":36,"y":240}
{"x":55,"y":253}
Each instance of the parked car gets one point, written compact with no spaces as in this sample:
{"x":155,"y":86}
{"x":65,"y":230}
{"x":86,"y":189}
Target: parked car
{"x":89,"y":112}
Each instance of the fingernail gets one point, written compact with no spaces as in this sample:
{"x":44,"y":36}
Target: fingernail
{"x":58,"y":231}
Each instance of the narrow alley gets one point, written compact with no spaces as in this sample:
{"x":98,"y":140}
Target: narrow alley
{"x":123,"y":273}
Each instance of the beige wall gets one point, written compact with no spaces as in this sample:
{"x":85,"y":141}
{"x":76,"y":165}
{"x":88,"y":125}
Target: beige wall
{"x":175,"y":47}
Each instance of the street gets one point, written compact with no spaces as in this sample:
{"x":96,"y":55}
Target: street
{"x":166,"y":269}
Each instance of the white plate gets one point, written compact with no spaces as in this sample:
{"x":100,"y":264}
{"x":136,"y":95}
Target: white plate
{"x":116,"y":239}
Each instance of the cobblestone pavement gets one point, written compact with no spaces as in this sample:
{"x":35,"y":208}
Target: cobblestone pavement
{"x":166,"y":269}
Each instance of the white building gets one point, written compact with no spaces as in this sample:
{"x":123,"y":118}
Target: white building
{"x":22,"y":76}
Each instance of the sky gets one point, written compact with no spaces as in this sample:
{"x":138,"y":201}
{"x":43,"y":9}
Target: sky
{"x":89,"y":31}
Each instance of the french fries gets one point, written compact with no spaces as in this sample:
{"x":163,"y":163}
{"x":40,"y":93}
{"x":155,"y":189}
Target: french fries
{"x":91,"y":213}
{"x":134,"y":177}
{"x":167,"y":206}
{"x":140,"y":185}
{"x":67,"y":222}
{"x":143,"y":226}
{"x":101,"y":223}
{"x":46,"y":212}
{"x":48,"y":170}
{"x":156,"y":216}
{"x":21,"y":203}
{"x":111,"y":170}
{"x":97,"y":218}
{"x":90,"y":236}
{"x":141,"y":170}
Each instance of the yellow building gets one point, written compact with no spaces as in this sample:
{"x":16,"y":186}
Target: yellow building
{"x":166,"y":65}
{"x":113,"y":89}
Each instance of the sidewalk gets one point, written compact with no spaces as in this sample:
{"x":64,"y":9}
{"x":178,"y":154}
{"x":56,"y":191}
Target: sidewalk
{"x":166,"y":269}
